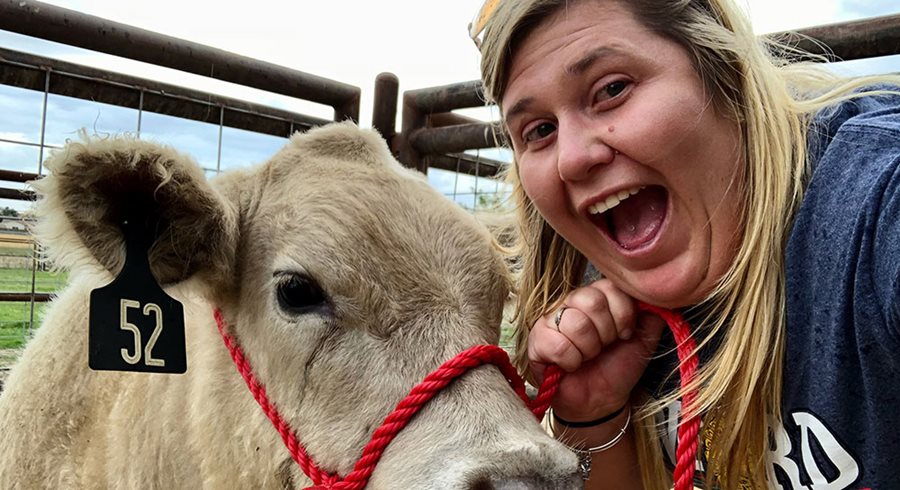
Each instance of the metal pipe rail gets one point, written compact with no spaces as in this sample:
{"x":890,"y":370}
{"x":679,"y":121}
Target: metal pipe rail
{"x":25,"y":297}
{"x":73,"y":80}
{"x":66,"y":26}
{"x":17,"y":194}
{"x":457,"y":138}
{"x":69,"y":79}
{"x":17,"y":176}
{"x":412,"y":144}
{"x":845,"y":41}
{"x":867,"y":38}
{"x":384,"y":110}
{"x":466,"y":164}
{"x":70,"y":27}
{"x":448,"y":97}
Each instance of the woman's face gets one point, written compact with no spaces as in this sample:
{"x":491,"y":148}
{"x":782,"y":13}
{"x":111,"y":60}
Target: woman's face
{"x":623,"y":153}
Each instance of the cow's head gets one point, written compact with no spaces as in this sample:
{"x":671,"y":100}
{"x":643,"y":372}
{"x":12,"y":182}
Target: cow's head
{"x":345,"y":278}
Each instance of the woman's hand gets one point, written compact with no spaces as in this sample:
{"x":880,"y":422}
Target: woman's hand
{"x":604,"y":345}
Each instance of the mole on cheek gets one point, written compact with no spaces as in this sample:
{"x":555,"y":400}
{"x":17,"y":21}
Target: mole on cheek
{"x":611,"y":129}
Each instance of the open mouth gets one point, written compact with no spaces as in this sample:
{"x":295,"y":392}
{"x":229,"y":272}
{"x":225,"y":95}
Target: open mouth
{"x":632,"y":217}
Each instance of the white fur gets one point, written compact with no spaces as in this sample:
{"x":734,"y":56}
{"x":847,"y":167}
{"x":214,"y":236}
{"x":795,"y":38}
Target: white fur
{"x":411,"y":280}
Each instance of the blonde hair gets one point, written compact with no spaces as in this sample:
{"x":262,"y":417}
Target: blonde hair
{"x":753,"y":82}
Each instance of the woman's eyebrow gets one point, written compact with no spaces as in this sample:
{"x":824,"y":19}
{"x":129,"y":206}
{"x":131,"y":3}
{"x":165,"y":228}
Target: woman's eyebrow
{"x":592,"y":56}
{"x":576,"y":68}
{"x":518,"y":108}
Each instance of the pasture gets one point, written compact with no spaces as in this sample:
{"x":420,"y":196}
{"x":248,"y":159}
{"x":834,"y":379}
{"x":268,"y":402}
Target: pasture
{"x":16,"y":317}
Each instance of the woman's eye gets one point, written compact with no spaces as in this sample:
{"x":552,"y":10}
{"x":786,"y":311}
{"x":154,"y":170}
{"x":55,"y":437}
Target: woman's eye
{"x":612,"y":90}
{"x":538,"y":132}
{"x":298,"y":294}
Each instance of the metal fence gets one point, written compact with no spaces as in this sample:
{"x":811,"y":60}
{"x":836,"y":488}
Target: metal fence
{"x":58,"y":90}
{"x":433,"y":135}
{"x":64,"y":97}
{"x":460,"y":155}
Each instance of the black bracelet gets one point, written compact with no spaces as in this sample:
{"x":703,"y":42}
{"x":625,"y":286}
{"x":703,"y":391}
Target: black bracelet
{"x":589,"y":423}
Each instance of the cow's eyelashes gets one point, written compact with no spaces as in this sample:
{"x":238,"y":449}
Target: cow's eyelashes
{"x":299,"y":294}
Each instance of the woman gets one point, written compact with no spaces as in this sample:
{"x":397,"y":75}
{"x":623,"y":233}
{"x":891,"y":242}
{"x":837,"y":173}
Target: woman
{"x":662,"y":143}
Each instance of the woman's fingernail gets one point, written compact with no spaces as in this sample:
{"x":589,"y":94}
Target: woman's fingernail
{"x":626,"y":334}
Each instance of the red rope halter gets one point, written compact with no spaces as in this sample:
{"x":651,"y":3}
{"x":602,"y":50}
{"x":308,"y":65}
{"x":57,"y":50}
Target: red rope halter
{"x":437,"y":381}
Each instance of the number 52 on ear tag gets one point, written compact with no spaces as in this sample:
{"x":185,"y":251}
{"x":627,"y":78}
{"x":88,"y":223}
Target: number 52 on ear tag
{"x":134,"y":325}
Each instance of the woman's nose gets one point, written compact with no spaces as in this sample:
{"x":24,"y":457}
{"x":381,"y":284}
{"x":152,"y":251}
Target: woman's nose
{"x":579,"y":150}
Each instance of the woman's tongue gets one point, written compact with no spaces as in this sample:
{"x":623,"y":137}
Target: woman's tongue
{"x":636,"y":220}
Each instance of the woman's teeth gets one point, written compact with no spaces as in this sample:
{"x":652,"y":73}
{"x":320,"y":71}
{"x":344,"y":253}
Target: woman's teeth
{"x":613,"y":200}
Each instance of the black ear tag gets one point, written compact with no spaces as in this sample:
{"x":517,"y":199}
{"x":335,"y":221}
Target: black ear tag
{"x":134,"y":325}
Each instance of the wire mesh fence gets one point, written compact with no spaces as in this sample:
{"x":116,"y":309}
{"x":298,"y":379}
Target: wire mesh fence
{"x":25,"y":283}
{"x":39,"y":122}
{"x":473,"y":192}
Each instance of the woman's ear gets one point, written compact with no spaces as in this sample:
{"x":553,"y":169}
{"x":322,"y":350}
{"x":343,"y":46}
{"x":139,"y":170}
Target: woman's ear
{"x":94,"y":186}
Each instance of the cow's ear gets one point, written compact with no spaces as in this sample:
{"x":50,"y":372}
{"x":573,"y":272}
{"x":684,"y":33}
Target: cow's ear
{"x":95,"y":185}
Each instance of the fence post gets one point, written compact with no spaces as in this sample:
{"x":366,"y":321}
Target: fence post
{"x":384,"y":111}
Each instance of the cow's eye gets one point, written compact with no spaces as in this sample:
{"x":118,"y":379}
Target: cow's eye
{"x":299,"y":294}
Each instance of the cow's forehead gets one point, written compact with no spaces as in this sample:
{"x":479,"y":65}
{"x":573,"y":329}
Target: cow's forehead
{"x":335,"y":199}
{"x":366,"y":211}
{"x":333,"y":213}
{"x":344,"y":142}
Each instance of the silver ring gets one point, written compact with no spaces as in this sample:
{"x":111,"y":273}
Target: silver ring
{"x":558,"y":317}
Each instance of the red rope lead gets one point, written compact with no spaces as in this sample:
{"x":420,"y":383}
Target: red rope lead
{"x":689,"y":428}
{"x":402,"y":414}
{"x":259,"y":394}
{"x":423,"y":393}
{"x":438,"y":380}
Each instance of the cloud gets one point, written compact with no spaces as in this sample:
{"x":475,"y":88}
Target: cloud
{"x":869,"y":66}
{"x":66,"y":116}
{"x":12,"y":136}
{"x":424,"y":43}
{"x":19,"y":158}
{"x":241,"y":148}
{"x":22,"y":110}
{"x":867,"y":8}
{"x":780,"y":15}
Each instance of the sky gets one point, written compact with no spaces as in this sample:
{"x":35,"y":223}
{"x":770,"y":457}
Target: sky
{"x":423,"y":42}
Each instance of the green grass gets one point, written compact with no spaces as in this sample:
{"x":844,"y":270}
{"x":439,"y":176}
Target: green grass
{"x":19,"y":281}
{"x":506,"y":334}
{"x":14,"y":322}
{"x":507,"y":328}
{"x":15,"y":317}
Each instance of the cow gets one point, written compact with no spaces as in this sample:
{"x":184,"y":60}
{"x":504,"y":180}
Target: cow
{"x":344,"y":278}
